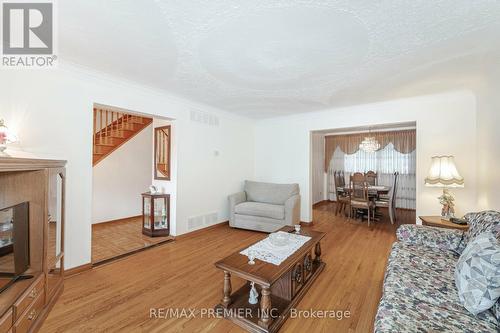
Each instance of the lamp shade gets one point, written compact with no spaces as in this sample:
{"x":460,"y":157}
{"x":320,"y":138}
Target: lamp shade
{"x":444,"y":173}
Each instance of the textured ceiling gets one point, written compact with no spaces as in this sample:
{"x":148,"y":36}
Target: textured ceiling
{"x":265,"y":58}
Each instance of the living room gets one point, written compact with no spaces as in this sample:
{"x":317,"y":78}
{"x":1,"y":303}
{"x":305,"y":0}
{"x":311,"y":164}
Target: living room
{"x":246,"y":109}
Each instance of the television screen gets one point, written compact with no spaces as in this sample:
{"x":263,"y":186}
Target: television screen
{"x":14,"y":240}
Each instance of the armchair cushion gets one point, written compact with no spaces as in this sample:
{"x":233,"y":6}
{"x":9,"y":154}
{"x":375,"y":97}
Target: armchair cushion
{"x":261,"y":209}
{"x":439,"y":238}
{"x":275,"y":194}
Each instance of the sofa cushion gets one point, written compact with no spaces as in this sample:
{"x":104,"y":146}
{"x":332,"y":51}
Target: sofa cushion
{"x":439,"y":239}
{"x":408,"y":256}
{"x":418,"y":278}
{"x":488,"y":220}
{"x":400,"y":313}
{"x":477,"y":275}
{"x":424,"y":279}
{"x":261,"y":209}
{"x":275,"y":194}
{"x":496,"y":309}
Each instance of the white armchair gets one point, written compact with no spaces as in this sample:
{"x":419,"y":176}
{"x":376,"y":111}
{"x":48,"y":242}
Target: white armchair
{"x":264,"y":206}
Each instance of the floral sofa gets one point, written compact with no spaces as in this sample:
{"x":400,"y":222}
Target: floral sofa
{"x":419,"y":293}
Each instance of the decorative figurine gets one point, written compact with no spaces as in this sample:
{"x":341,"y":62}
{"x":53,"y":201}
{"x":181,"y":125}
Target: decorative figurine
{"x":251,"y":257}
{"x":447,"y":200}
{"x":253,"y":297}
{"x":153,"y":189}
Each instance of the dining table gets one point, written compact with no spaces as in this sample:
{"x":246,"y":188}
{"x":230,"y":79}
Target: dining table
{"x":373,"y":190}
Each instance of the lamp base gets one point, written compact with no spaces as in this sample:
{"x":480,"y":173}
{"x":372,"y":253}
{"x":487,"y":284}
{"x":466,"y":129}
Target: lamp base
{"x":448,"y":209}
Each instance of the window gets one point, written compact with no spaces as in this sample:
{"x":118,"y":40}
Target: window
{"x":385,"y":162}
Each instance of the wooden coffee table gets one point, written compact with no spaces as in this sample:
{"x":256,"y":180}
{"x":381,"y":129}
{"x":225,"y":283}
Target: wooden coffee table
{"x":280,"y":287}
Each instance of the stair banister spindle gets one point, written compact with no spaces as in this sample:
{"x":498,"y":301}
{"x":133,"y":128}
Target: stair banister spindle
{"x":94,"y":134}
{"x":106,"y":127}
{"x":162,"y":146}
{"x":165,"y":153}
{"x":160,"y":158}
{"x":100,"y":126}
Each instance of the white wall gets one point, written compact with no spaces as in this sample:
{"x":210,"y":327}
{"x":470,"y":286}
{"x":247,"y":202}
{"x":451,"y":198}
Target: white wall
{"x":120,"y":178}
{"x":318,"y":167}
{"x":52,"y":113}
{"x":446,"y":124}
{"x":488,"y":133}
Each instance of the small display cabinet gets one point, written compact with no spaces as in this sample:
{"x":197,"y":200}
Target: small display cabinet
{"x":155,"y":214}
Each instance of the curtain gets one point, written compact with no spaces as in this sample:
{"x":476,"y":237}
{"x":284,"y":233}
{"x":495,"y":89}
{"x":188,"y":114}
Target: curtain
{"x":403,"y":141}
{"x":336,"y":163}
{"x":385,"y":162}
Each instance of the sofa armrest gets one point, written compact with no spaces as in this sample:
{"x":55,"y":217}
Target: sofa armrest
{"x":292,"y":210}
{"x":235,"y":199}
{"x":439,"y":238}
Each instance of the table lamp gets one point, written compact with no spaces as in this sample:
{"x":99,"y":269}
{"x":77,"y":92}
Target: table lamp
{"x":443,"y":173}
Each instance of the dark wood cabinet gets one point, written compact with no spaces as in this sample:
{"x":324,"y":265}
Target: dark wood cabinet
{"x":155,"y":214}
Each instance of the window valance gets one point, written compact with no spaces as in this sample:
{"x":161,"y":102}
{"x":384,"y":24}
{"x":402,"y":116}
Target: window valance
{"x":404,"y":142}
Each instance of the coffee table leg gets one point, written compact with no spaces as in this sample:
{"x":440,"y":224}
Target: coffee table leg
{"x":317,"y":252}
{"x":265,"y":307}
{"x":226,"y":300}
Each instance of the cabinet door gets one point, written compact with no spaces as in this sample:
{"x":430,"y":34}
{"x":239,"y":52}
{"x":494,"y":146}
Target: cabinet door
{"x":55,"y":228}
{"x":160,"y":213}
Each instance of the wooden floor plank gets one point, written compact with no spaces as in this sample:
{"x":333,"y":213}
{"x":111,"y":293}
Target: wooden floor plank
{"x":117,"y":297}
{"x":113,"y":239}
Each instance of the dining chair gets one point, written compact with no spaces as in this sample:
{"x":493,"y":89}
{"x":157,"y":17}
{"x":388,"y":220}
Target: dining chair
{"x":342,"y":198}
{"x":390,"y":203}
{"x":371,"y":178}
{"x":357,"y":174}
{"x":341,"y":178}
{"x":358,"y":195}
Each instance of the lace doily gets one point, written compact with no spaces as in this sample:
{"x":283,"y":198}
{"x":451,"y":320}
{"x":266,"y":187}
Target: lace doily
{"x":275,"y":255}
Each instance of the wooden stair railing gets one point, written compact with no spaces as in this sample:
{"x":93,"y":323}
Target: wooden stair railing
{"x":112,"y":129}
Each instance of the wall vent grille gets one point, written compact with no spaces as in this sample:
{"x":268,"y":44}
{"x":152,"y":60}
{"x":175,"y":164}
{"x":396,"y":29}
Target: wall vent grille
{"x":204,"y":118}
{"x":195,"y":222}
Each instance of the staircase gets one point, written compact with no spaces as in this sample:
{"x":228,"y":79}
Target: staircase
{"x":112,"y":129}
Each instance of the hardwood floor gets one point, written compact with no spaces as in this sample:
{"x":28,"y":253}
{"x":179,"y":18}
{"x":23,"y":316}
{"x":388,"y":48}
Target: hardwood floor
{"x":117,"y":297}
{"x":113,"y":239}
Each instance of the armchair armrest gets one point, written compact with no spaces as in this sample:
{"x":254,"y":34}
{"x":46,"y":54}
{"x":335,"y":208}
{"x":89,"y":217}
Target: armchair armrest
{"x":292,"y":210}
{"x":439,"y":238}
{"x":235,"y":199}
